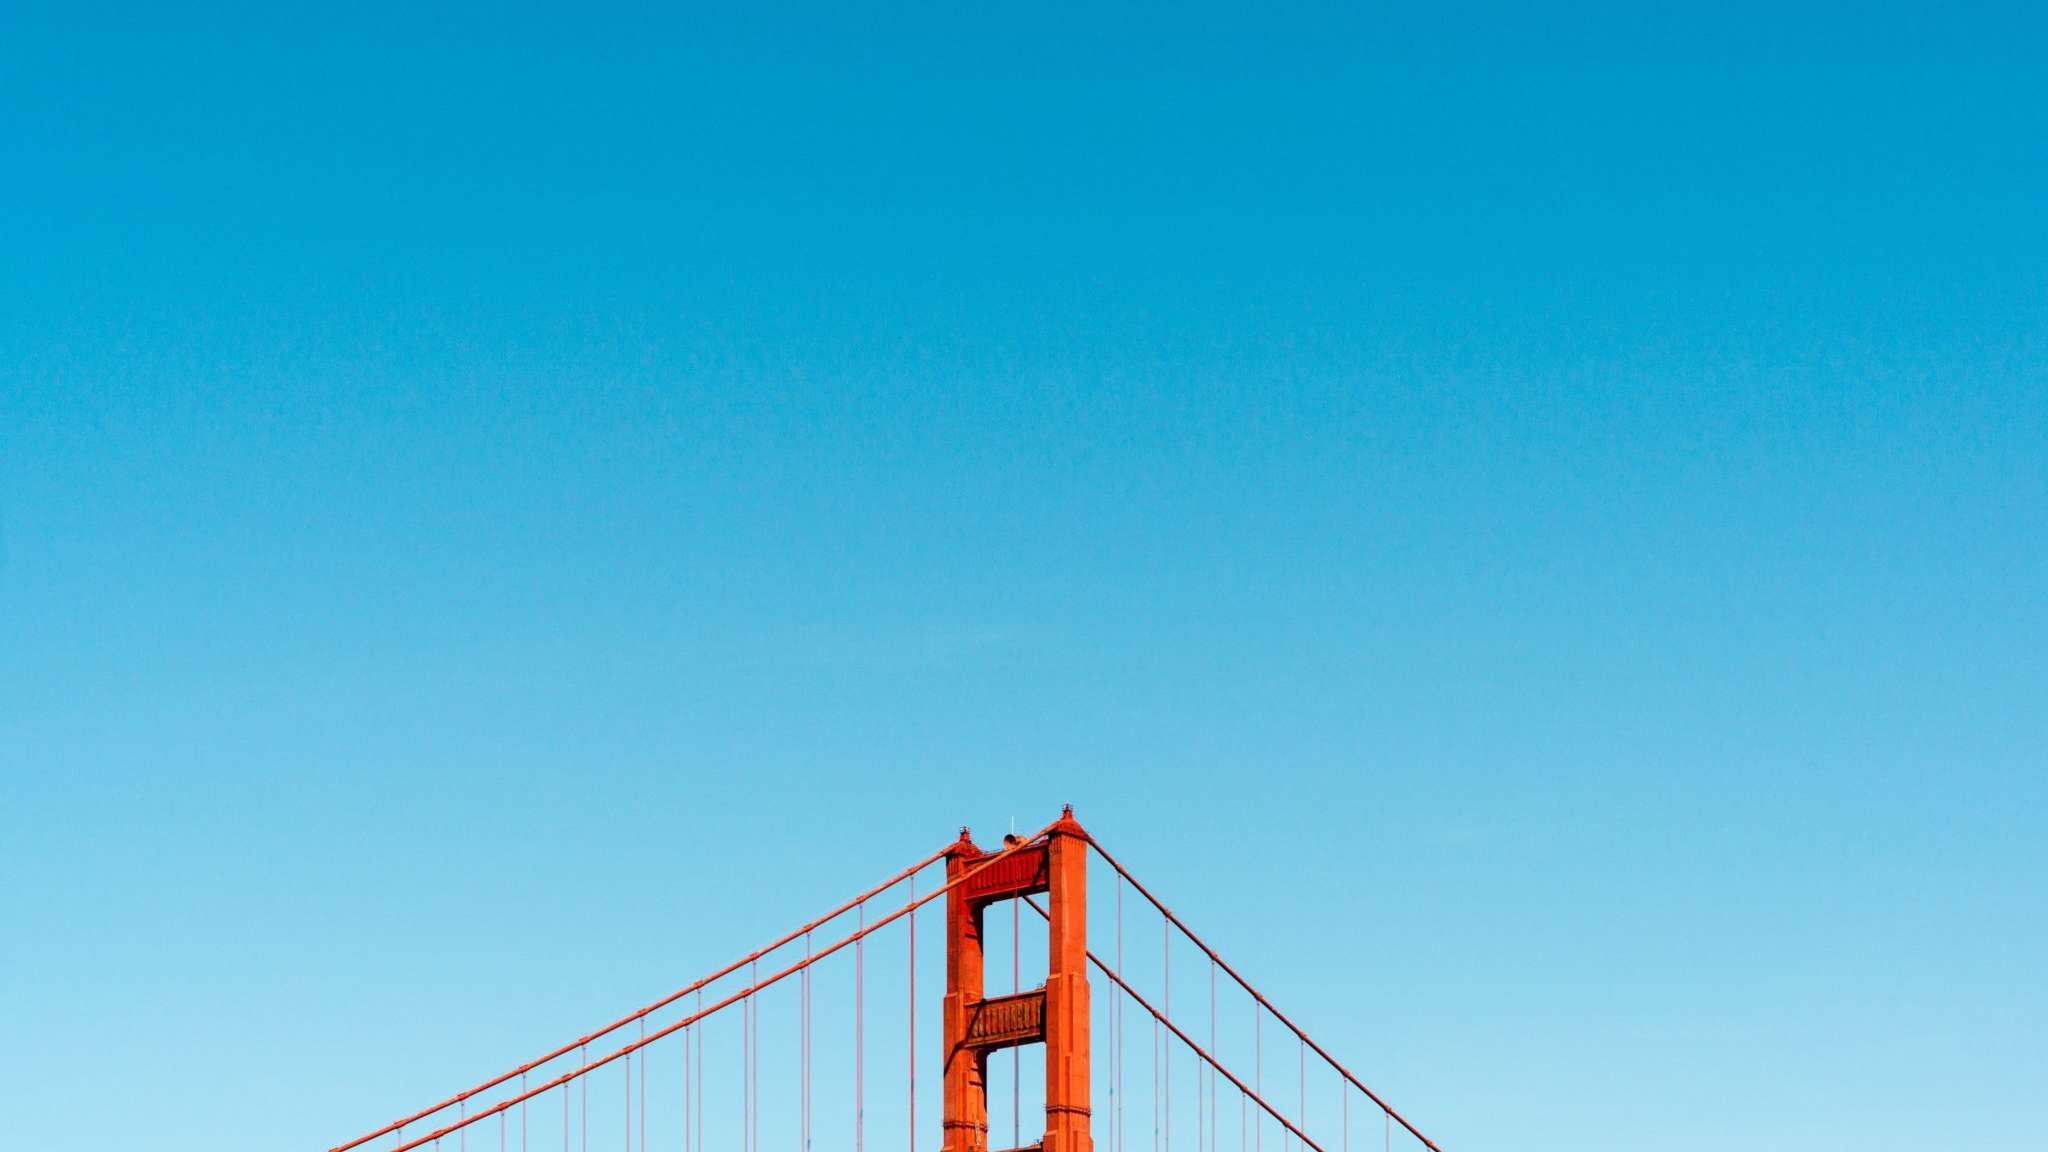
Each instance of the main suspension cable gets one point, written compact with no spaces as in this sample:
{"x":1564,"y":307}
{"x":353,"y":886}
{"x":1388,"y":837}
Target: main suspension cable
{"x":1187,"y":1040}
{"x":588,"y":1065}
{"x":1319,"y":1050}
{"x":664,"y":1002}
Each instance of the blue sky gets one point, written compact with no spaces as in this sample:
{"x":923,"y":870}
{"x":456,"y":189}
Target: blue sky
{"x":1531,"y":526}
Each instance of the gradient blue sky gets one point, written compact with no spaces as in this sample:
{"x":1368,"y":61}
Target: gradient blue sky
{"x":1533,"y":525}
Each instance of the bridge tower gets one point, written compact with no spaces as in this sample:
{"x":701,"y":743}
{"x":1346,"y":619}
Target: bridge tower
{"x":1056,"y":1015}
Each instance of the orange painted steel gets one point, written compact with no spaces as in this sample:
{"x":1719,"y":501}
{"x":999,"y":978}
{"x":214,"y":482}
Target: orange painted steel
{"x":1007,"y":1021}
{"x":1056,"y":1016}
{"x":1054,"y":862}
{"x":1198,"y":942}
{"x":657,"y":1006}
{"x":590,"y":1066}
{"x":1067,"y":1112}
{"x":963,"y":1109}
{"x":1020,"y":875}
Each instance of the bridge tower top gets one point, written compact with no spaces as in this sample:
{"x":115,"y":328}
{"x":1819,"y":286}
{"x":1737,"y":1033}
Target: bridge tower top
{"x":975,"y":1024}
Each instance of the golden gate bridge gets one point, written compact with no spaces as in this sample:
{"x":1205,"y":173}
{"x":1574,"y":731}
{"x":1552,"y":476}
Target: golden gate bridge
{"x":1233,"y":1044}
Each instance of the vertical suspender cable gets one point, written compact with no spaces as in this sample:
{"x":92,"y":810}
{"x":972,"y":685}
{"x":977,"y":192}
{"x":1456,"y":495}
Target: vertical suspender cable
{"x":1016,"y":1054}
{"x":860,"y":1087}
{"x":1166,"y":1045}
{"x":584,"y":1082}
{"x":700,"y":1073}
{"x":1118,"y":996}
{"x":628,"y":1078}
{"x":803,"y":1058}
{"x":807,"y":1047}
{"x":746,"y":1073}
{"x":746,"y":1079}
{"x":802,"y":1020}
{"x":1391,"y":1114}
{"x":643,"y":1086}
{"x":753,"y":1061}
{"x":756,"y":1069}
{"x":912,"y":933}
{"x":1212,"y":1049}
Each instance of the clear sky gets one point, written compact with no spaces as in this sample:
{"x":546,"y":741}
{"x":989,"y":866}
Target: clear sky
{"x":1531,"y":525}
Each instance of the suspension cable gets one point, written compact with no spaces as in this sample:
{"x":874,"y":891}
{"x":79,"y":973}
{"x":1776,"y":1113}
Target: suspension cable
{"x":1016,"y":1054}
{"x":860,"y":1087}
{"x":805,"y":1031}
{"x":689,"y":1101}
{"x":1187,"y":1040}
{"x":754,"y":1068}
{"x":701,"y":1105}
{"x":1255,"y":995}
{"x":588,"y":1066}
{"x":912,"y":1028}
{"x":753,"y":1021}
{"x":664,"y":1002}
{"x":1211,"y":1046}
{"x":746,"y":1075}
